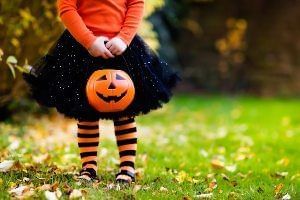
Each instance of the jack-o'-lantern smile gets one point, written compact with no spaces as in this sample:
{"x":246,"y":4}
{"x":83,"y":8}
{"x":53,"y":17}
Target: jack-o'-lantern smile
{"x":112,"y":99}
{"x":110,"y":90}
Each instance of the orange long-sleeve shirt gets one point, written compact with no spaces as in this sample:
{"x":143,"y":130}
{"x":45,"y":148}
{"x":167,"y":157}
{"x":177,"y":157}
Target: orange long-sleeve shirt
{"x":86,"y":19}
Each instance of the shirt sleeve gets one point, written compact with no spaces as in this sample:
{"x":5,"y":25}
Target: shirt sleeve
{"x":133,"y":18}
{"x":67,"y":10}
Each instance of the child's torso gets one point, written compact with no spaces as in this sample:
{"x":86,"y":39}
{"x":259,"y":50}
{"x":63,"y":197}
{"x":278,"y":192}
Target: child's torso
{"x":102,"y":16}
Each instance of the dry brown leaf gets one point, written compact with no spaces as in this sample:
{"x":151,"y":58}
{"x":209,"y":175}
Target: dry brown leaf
{"x":54,"y":186}
{"x":217,"y":164}
{"x":19,"y":191}
{"x":44,"y":187}
{"x":27,"y":194}
{"x":213,"y":184}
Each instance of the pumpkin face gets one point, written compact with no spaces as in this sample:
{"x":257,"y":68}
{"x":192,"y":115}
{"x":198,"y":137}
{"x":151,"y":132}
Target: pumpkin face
{"x":110,"y":90}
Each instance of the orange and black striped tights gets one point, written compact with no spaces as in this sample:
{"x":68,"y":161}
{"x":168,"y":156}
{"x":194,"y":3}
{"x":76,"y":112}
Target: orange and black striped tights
{"x":126,"y":136}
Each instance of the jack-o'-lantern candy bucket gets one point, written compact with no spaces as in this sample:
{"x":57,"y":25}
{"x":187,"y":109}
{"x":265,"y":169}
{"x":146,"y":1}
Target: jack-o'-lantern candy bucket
{"x":110,"y":90}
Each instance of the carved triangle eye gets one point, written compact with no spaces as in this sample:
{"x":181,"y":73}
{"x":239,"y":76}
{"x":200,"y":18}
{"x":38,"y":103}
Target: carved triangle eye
{"x":118,"y":77}
{"x":102,"y":78}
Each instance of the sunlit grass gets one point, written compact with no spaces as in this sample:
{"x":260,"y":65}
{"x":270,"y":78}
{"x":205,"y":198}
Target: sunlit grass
{"x":232,"y":147}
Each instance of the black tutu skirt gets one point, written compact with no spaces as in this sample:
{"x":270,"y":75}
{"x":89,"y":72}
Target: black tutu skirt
{"x":63,"y":72}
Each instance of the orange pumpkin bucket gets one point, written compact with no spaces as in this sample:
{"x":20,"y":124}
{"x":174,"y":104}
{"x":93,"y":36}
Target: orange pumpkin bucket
{"x":110,"y":90}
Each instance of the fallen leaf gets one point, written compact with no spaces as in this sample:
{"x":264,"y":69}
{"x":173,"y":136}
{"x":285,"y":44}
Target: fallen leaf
{"x":44,"y":187}
{"x":240,"y":157}
{"x":54,"y":186}
{"x":27,"y":194}
{"x":6,"y":165}
{"x":210,"y":175}
{"x":217,"y":164}
{"x":50,"y":195}
{"x":242,"y":175}
{"x":195,"y":180}
{"x":186,"y":198}
{"x":230,"y":168}
{"x":182,"y":176}
{"x":41,"y":158}
{"x":67,"y":189}
{"x":58,"y":193}
{"x":18,"y":191}
{"x":139,"y":173}
{"x":284,"y":162}
{"x":163,"y":189}
{"x":110,"y":186}
{"x":286,"y":197}
{"x":26,"y":179}
{"x":204,"y":196}
{"x":213,"y":184}
{"x":137,"y":188}
{"x":75,"y":194}
{"x":118,"y":187}
{"x":280,"y":174}
{"x":278,"y":188}
{"x":146,"y":188}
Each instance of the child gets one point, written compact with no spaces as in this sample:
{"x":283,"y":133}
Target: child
{"x":101,"y":34}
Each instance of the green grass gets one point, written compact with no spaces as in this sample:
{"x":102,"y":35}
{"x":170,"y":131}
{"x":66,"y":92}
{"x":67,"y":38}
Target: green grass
{"x":177,"y":144}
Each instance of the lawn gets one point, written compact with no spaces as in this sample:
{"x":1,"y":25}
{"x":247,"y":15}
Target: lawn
{"x":211,"y":147}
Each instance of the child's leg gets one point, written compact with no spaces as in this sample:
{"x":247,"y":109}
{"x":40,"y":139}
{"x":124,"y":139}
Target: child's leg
{"x":88,"y":141}
{"x":126,"y":135}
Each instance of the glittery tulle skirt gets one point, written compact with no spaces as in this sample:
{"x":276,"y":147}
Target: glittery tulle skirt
{"x":64,"y":71}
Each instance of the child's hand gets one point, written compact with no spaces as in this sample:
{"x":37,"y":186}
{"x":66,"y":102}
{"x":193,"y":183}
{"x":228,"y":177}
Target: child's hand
{"x":98,"y":48}
{"x":116,"y":46}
